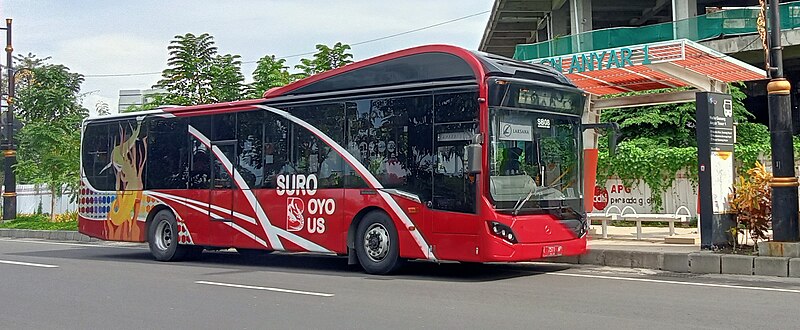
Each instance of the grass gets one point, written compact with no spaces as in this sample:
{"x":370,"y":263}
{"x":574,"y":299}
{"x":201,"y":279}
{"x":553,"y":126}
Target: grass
{"x":38,"y":222}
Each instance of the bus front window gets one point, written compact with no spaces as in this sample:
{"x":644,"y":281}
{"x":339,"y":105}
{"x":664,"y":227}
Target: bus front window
{"x":533,"y":157}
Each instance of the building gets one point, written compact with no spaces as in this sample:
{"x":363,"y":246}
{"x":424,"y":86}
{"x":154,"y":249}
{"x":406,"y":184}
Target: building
{"x":532,"y":29}
{"x":130,"y":97}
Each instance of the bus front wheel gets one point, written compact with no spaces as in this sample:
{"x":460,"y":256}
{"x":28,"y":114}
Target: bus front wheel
{"x":162,"y":237}
{"x":377,"y":244}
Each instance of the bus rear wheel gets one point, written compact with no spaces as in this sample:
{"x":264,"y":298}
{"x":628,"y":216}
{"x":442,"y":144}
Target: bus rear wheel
{"x":162,"y":237}
{"x":377,"y":245}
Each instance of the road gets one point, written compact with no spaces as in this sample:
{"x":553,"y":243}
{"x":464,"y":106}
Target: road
{"x":51,"y":285}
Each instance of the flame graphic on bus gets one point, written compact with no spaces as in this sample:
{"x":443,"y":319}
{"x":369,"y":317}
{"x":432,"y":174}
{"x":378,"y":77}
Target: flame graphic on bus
{"x":127,"y":162}
{"x":294,"y":214}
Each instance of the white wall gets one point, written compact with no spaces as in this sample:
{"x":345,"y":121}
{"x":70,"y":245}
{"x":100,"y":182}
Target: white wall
{"x":28,"y":199}
{"x":637,"y":196}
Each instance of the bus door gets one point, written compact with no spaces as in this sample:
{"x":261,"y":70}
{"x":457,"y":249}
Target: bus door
{"x":222,"y":187}
{"x":454,"y":192}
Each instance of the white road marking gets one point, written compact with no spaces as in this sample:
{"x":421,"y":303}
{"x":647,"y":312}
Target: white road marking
{"x":240,"y":286}
{"x":20,"y":263}
{"x":726,"y":286}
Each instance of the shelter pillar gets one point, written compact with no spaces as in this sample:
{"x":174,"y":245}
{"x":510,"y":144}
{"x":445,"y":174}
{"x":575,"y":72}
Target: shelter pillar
{"x":581,"y":21}
{"x":590,"y":154}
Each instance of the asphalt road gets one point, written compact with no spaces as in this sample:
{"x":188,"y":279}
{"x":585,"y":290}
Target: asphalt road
{"x":49,"y":285}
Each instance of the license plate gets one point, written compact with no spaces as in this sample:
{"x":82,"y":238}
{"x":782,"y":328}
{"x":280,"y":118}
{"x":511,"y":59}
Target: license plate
{"x":552,"y":251}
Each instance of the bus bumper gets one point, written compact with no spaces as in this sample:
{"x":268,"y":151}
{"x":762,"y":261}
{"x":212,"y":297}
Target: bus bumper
{"x":497,"y":250}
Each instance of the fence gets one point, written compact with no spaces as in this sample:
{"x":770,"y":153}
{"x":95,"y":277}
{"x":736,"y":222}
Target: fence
{"x":34,"y":198}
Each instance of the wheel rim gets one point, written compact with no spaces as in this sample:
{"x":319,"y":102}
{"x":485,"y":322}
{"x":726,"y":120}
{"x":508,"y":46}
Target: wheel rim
{"x":163,"y":235}
{"x":376,"y":242}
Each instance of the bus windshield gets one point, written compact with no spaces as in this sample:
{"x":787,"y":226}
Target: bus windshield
{"x":534,"y":156}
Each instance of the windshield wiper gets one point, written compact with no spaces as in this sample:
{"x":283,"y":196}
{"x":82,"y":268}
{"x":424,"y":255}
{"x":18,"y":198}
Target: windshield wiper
{"x":521,"y":202}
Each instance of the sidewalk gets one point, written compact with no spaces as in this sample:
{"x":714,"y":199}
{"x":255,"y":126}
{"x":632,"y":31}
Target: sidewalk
{"x":621,"y":249}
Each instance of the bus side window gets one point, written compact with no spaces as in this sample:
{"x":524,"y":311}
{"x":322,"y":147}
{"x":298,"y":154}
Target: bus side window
{"x":96,"y":156}
{"x":167,"y":161}
{"x":312,"y":155}
{"x":199,"y":155}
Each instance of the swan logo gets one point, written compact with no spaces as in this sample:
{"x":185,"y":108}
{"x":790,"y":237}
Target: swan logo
{"x":294,"y":214}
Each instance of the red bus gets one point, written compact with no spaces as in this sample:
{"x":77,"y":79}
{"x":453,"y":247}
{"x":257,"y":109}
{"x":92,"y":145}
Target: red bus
{"x":433,"y":152}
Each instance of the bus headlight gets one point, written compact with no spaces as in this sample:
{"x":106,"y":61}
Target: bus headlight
{"x":502,"y":231}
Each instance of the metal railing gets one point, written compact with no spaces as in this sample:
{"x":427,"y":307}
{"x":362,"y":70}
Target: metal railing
{"x":709,"y":26}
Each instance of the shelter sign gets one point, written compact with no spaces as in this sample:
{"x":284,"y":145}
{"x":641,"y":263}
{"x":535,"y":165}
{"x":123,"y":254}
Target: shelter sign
{"x":616,"y":58}
{"x":715,"y":138}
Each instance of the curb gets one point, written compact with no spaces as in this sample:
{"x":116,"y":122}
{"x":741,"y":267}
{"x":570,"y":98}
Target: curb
{"x":55,"y":235}
{"x":696,"y":262}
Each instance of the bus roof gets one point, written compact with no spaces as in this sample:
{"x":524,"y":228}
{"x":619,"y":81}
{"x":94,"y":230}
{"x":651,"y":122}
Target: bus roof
{"x":423,"y":64}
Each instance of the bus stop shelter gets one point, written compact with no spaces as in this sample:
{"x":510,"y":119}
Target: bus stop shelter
{"x":680,"y":68}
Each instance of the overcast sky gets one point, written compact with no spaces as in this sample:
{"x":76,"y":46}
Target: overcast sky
{"x":96,"y":37}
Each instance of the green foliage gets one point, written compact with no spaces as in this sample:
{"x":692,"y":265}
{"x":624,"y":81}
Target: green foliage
{"x":326,"y":58}
{"x":751,"y":202}
{"x":226,"y":78}
{"x":752,"y":133}
{"x":187,"y":78}
{"x":102,"y":108}
{"x":49,"y":153}
{"x":657,"y":167}
{"x":39,"y":222}
{"x":658,"y":142}
{"x":49,"y":103}
{"x":50,"y":92}
{"x":669,"y":125}
{"x":269,"y":73}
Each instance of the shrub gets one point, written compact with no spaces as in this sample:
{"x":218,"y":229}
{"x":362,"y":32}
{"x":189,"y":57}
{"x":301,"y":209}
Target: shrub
{"x":751,"y":202}
{"x":67,"y":217}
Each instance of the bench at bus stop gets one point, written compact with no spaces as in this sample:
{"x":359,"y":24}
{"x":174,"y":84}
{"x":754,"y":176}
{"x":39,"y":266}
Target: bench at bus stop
{"x":609,"y":215}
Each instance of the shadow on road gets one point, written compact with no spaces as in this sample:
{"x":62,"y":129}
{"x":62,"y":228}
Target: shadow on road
{"x":230,"y":262}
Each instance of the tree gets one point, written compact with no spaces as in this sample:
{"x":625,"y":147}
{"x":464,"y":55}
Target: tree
{"x":53,"y":92}
{"x":326,"y":58}
{"x":49,"y":143}
{"x":270,"y":72}
{"x":186,"y":78}
{"x":226,"y":78}
{"x":666,"y":125}
{"x":49,"y":153}
{"x":102,"y":108}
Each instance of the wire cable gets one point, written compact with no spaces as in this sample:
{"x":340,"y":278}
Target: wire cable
{"x":107,"y":75}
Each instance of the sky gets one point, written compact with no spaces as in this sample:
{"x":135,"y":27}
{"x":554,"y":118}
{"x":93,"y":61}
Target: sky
{"x":96,"y":37}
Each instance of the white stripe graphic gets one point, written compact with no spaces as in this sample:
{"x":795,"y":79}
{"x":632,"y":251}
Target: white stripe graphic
{"x":215,"y":216}
{"x":274,"y":241}
{"x":300,"y":241}
{"x":366,"y":174}
{"x":214,"y":207}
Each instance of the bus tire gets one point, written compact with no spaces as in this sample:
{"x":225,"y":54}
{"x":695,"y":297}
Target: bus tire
{"x":162,"y":237}
{"x":377,"y":245}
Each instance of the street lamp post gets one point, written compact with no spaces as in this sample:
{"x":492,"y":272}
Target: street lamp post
{"x":784,"y":183}
{"x":10,"y":152}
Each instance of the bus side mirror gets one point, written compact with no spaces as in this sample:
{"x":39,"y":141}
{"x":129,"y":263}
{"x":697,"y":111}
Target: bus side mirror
{"x":613,"y":129}
{"x":474,"y":154}
{"x":612,"y":142}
